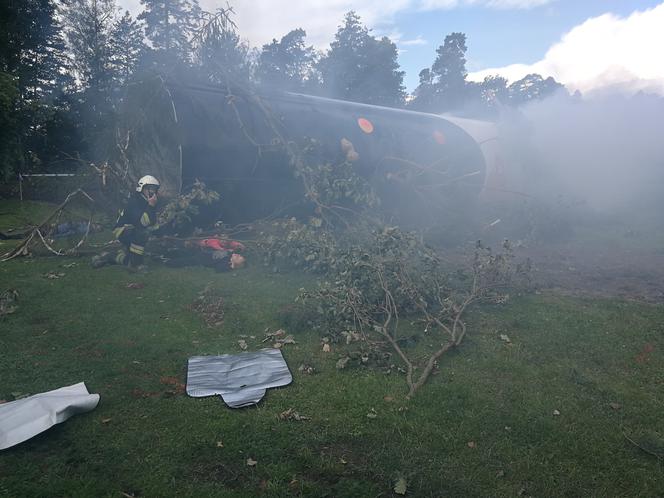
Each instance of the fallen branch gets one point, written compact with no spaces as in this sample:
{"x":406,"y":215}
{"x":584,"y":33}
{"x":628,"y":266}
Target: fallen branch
{"x":22,"y":248}
{"x":649,"y":452}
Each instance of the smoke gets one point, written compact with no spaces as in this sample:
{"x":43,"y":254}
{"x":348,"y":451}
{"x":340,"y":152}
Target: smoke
{"x":606,"y":152}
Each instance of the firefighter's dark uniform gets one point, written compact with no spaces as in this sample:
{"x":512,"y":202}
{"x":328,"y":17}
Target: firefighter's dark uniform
{"x":131,"y":229}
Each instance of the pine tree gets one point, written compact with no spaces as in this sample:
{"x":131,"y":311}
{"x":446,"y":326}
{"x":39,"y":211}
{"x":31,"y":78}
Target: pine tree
{"x":221,"y":56}
{"x":31,"y":47}
{"x":88,"y":27}
{"x":127,"y":47}
{"x":533,"y":87}
{"x":287,"y":64}
{"x":170,"y":26}
{"x":360,"y":67}
{"x":32,"y":74}
{"x":444,"y":86}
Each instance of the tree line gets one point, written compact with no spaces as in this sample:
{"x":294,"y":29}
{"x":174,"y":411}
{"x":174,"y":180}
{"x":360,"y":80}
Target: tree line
{"x":65,"y":67}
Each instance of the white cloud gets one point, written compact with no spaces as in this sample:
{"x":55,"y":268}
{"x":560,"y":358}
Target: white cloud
{"x":493,"y":4}
{"x":416,"y":41}
{"x":605,"y":52}
{"x":259,"y":21}
{"x":515,"y":4}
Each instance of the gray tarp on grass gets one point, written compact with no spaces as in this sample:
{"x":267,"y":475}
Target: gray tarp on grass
{"x":25,"y":418}
{"x":240,"y":379}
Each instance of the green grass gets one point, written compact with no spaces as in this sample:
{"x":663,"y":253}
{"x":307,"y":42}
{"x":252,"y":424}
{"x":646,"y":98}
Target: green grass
{"x":572,"y":355}
{"x":16,"y":214}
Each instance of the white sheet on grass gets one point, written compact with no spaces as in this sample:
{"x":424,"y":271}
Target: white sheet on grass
{"x":25,"y":418}
{"x":240,"y":379}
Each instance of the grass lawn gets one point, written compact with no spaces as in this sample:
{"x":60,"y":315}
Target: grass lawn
{"x":484,"y":425}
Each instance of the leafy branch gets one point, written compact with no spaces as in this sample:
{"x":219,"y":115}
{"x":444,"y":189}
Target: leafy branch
{"x":370,"y":288}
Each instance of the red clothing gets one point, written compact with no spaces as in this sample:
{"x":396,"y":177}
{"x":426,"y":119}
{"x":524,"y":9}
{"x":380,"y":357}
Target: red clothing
{"x":221,"y":245}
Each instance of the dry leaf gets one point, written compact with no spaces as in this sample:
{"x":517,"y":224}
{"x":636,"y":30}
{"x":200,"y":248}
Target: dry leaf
{"x":471,"y":444}
{"x":291,"y":414}
{"x":372,"y":414}
{"x":242,"y":343}
{"x":341,"y":364}
{"x":307,"y":369}
{"x":105,"y":420}
{"x":220,"y":444}
{"x":504,"y":338}
{"x":342,"y":461}
{"x":326,"y":348}
{"x":251,"y":462}
{"x":53,"y":275}
{"x":400,"y":486}
{"x":556,"y":413}
{"x":615,"y":406}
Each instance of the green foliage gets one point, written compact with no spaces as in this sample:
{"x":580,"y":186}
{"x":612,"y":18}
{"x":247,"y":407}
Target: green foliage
{"x":127,"y":47}
{"x":352,"y":293}
{"x":9,"y":133}
{"x":221,"y":56}
{"x":360,"y":67}
{"x":533,"y":87}
{"x":88,"y":28}
{"x":287,"y":64}
{"x":390,"y":275}
{"x":31,"y":47}
{"x":181,"y":213}
{"x":292,"y":244}
{"x":332,"y":184}
{"x":169,"y":25}
{"x":444,"y":87}
{"x":32,"y":70}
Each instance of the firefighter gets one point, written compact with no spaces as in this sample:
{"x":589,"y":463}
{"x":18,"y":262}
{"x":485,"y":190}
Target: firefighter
{"x":132,"y":227}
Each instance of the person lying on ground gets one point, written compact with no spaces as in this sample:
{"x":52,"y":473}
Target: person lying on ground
{"x":222,"y":255}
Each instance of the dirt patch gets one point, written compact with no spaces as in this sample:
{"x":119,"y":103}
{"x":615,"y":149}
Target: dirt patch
{"x":210,"y":306}
{"x":636,"y":274}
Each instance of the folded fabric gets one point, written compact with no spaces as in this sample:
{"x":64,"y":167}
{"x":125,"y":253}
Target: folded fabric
{"x":24,"y":418}
{"x":240,"y":379}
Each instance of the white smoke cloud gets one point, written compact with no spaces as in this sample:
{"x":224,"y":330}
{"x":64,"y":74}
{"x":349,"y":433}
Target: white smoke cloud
{"x":605,"y":53}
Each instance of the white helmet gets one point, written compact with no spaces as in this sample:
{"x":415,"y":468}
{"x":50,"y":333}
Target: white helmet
{"x":147,"y":180}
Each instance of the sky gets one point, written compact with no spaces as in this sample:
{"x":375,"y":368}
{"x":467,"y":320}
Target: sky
{"x":590,"y":45}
